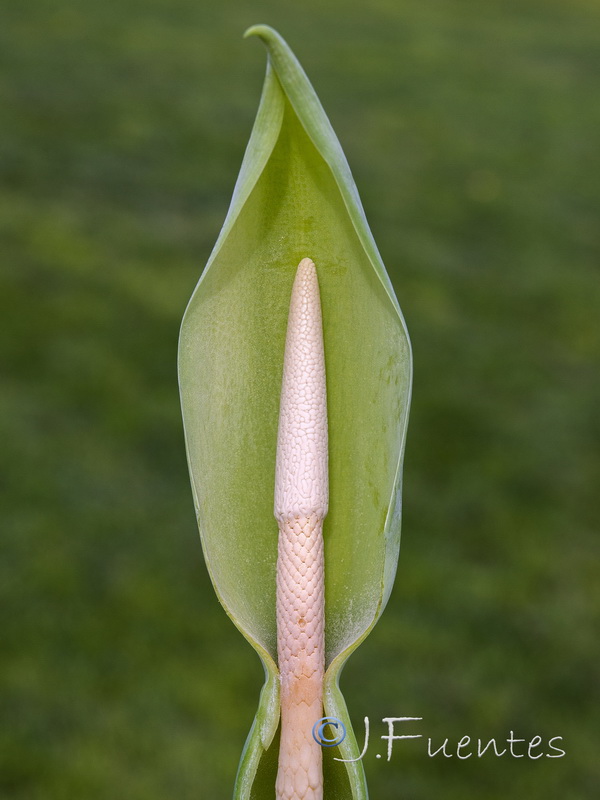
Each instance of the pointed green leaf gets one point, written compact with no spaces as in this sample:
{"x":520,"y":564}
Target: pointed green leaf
{"x":295,"y":197}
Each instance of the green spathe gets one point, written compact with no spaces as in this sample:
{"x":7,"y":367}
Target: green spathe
{"x":294,"y":198}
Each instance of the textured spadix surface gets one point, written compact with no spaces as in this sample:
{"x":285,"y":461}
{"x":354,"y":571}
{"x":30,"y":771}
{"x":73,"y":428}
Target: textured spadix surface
{"x":301,"y":503}
{"x":295,"y":196}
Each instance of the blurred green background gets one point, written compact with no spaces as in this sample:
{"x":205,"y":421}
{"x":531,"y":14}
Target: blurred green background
{"x":472,"y":130}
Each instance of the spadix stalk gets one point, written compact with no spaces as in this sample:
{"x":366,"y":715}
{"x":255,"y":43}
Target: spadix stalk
{"x":301,"y":502}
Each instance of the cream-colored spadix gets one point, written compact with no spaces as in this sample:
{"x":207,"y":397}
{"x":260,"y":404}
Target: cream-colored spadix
{"x":301,"y":501}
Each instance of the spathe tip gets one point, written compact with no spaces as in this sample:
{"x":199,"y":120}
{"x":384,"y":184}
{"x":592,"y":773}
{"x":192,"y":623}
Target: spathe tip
{"x":263,"y":31}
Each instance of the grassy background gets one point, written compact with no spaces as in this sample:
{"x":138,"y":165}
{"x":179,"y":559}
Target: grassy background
{"x":472,"y":130}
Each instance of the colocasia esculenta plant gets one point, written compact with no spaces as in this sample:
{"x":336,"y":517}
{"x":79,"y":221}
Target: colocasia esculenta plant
{"x":295,"y":374}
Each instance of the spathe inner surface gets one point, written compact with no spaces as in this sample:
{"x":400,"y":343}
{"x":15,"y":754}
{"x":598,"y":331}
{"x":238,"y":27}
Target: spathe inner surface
{"x":233,"y":349}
